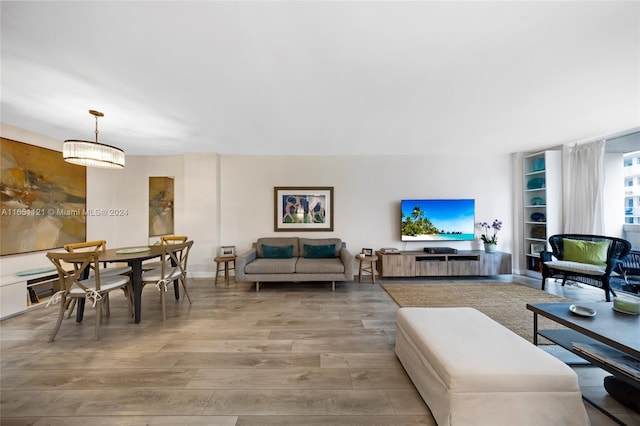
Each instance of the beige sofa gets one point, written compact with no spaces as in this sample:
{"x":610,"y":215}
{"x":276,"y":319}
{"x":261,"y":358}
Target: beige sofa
{"x":294,"y":259}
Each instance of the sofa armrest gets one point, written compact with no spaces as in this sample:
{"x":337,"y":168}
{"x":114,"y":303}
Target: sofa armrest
{"x":242,"y":260}
{"x":347,"y":260}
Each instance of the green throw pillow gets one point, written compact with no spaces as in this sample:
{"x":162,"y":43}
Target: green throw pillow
{"x":320,"y":251}
{"x":277,"y":252}
{"x":591,"y":252}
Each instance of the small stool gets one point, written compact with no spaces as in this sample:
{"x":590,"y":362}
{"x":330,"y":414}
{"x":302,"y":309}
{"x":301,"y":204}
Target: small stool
{"x":371,"y":269}
{"x":226,"y":260}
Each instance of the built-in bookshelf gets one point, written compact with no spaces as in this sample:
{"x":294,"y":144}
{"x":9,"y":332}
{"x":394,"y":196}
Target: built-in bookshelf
{"x":542,"y":199}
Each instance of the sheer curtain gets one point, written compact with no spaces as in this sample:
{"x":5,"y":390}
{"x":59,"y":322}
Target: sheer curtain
{"x":583,"y":188}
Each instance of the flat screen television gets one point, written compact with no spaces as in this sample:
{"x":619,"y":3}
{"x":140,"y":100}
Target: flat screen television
{"x":438,"y":220}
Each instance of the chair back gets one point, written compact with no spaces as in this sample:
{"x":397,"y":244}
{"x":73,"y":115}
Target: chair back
{"x":97,"y":245}
{"x":175,"y":257}
{"x":172,"y":239}
{"x":82,"y":263}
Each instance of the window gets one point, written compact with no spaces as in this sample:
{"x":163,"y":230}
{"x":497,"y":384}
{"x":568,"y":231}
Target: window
{"x":628,"y":182}
{"x":628,"y":162}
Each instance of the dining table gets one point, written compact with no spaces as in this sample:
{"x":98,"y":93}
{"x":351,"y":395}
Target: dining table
{"x":134,"y":257}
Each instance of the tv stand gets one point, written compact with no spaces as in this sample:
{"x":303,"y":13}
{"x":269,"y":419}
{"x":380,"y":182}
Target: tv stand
{"x":464,"y":262}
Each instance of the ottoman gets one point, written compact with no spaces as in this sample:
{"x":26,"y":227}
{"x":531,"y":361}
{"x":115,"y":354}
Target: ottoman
{"x":470,"y":370}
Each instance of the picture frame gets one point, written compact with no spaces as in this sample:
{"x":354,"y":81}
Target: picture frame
{"x":227,"y":251}
{"x":367,"y":251}
{"x":44,"y":203}
{"x":536,"y":248}
{"x":161,"y":202}
{"x":303,"y":208}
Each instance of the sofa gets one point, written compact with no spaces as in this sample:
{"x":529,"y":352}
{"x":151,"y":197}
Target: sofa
{"x":589,"y":259}
{"x":294,"y":259}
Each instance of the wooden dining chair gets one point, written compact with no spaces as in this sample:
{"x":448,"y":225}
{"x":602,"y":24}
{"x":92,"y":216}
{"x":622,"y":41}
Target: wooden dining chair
{"x":164,"y":240}
{"x":97,"y":246}
{"x":74,"y":285}
{"x":173,"y":266}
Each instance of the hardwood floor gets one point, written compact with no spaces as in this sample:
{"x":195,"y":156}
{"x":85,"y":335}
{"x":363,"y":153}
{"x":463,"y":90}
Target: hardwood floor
{"x":292,"y":354}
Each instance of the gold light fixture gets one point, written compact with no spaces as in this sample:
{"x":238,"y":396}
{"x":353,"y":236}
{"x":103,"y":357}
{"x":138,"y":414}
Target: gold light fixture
{"x":93,"y":154}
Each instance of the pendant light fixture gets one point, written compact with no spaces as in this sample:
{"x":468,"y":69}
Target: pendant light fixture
{"x":93,"y":154}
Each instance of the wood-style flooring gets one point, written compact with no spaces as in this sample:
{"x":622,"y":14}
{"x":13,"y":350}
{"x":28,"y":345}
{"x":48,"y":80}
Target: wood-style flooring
{"x":292,"y":354}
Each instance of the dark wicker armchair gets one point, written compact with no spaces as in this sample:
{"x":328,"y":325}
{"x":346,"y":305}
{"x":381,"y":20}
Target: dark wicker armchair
{"x":629,"y":273}
{"x":586,"y":274}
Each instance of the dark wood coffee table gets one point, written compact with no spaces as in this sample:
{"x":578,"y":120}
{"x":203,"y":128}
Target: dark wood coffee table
{"x":617,"y":330}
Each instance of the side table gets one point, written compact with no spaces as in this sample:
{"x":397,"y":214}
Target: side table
{"x":224,"y":260}
{"x":367,"y":264}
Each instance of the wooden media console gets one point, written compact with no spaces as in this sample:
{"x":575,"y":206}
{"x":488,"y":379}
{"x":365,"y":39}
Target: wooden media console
{"x":421,"y":264}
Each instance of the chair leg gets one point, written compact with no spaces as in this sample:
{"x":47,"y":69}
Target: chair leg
{"x":186,"y":291}
{"x":98,"y":319}
{"x":64,"y":304}
{"x":107,"y":305}
{"x":544,"y":281}
{"x":164,"y":314}
{"x":71,"y":307}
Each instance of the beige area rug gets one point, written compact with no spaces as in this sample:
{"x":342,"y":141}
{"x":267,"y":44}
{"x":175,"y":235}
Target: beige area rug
{"x":505,"y":303}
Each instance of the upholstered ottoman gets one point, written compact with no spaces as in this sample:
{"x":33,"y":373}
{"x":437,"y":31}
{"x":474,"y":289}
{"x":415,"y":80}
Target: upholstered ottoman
{"x":470,"y":370}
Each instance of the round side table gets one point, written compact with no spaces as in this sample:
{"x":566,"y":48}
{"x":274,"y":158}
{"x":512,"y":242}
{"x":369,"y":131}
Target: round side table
{"x":226,"y":260}
{"x":367,"y":264}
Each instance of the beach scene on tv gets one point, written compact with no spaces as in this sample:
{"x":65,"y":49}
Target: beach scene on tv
{"x":438,"y":220}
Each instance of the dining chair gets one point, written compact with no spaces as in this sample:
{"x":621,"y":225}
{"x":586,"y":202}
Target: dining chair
{"x":173,"y":266}
{"x":164,"y":240}
{"x":97,"y":246}
{"x":74,"y":285}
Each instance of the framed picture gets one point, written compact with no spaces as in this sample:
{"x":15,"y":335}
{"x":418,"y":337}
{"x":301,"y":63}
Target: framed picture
{"x":161,"y":200}
{"x":227,"y":251}
{"x":44,"y":199}
{"x":536,"y":248}
{"x":367,"y":251}
{"x":303,"y":208}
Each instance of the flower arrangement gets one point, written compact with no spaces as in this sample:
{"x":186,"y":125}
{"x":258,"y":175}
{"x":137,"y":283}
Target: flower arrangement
{"x":495,"y":226}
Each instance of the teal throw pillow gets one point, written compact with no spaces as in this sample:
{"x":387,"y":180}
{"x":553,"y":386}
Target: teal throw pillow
{"x":319,"y":251}
{"x":591,"y":252}
{"x":277,"y":252}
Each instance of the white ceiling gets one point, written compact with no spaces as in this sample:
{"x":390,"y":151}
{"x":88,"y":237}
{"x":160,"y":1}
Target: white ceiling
{"x":335,"y":77}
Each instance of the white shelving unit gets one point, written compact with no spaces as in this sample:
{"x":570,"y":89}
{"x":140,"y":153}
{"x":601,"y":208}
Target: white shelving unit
{"x":542,"y":198}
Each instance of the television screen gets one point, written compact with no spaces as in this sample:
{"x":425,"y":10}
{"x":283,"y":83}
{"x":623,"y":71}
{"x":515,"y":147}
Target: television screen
{"x":438,"y":220}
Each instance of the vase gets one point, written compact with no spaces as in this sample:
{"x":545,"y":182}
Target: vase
{"x":490,"y":247}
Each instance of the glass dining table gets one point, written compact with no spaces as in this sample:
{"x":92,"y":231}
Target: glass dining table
{"x":133,"y":256}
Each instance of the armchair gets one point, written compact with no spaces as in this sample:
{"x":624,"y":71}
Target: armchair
{"x":589,"y":259}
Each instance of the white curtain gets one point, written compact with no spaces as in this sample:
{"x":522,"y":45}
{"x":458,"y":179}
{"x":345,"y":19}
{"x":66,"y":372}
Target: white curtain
{"x":583,"y":188}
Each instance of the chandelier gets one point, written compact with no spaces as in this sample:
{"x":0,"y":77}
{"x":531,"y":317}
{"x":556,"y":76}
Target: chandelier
{"x":93,"y":154}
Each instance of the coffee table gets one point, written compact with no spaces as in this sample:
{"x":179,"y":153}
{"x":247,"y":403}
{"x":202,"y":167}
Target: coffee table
{"x":618,"y":331}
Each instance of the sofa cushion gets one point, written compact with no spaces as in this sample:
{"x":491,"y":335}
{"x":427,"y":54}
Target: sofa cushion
{"x":320,"y":242}
{"x":277,"y":252}
{"x":319,"y":251}
{"x":278,"y":241}
{"x":591,"y":252}
{"x":271,"y":266}
{"x":319,"y":266}
{"x":580,"y":268}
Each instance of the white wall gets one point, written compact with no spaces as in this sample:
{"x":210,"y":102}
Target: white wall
{"x":228,"y":200}
{"x":367,"y":194}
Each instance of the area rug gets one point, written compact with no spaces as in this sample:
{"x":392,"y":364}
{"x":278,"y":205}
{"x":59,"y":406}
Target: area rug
{"x":505,"y":303}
